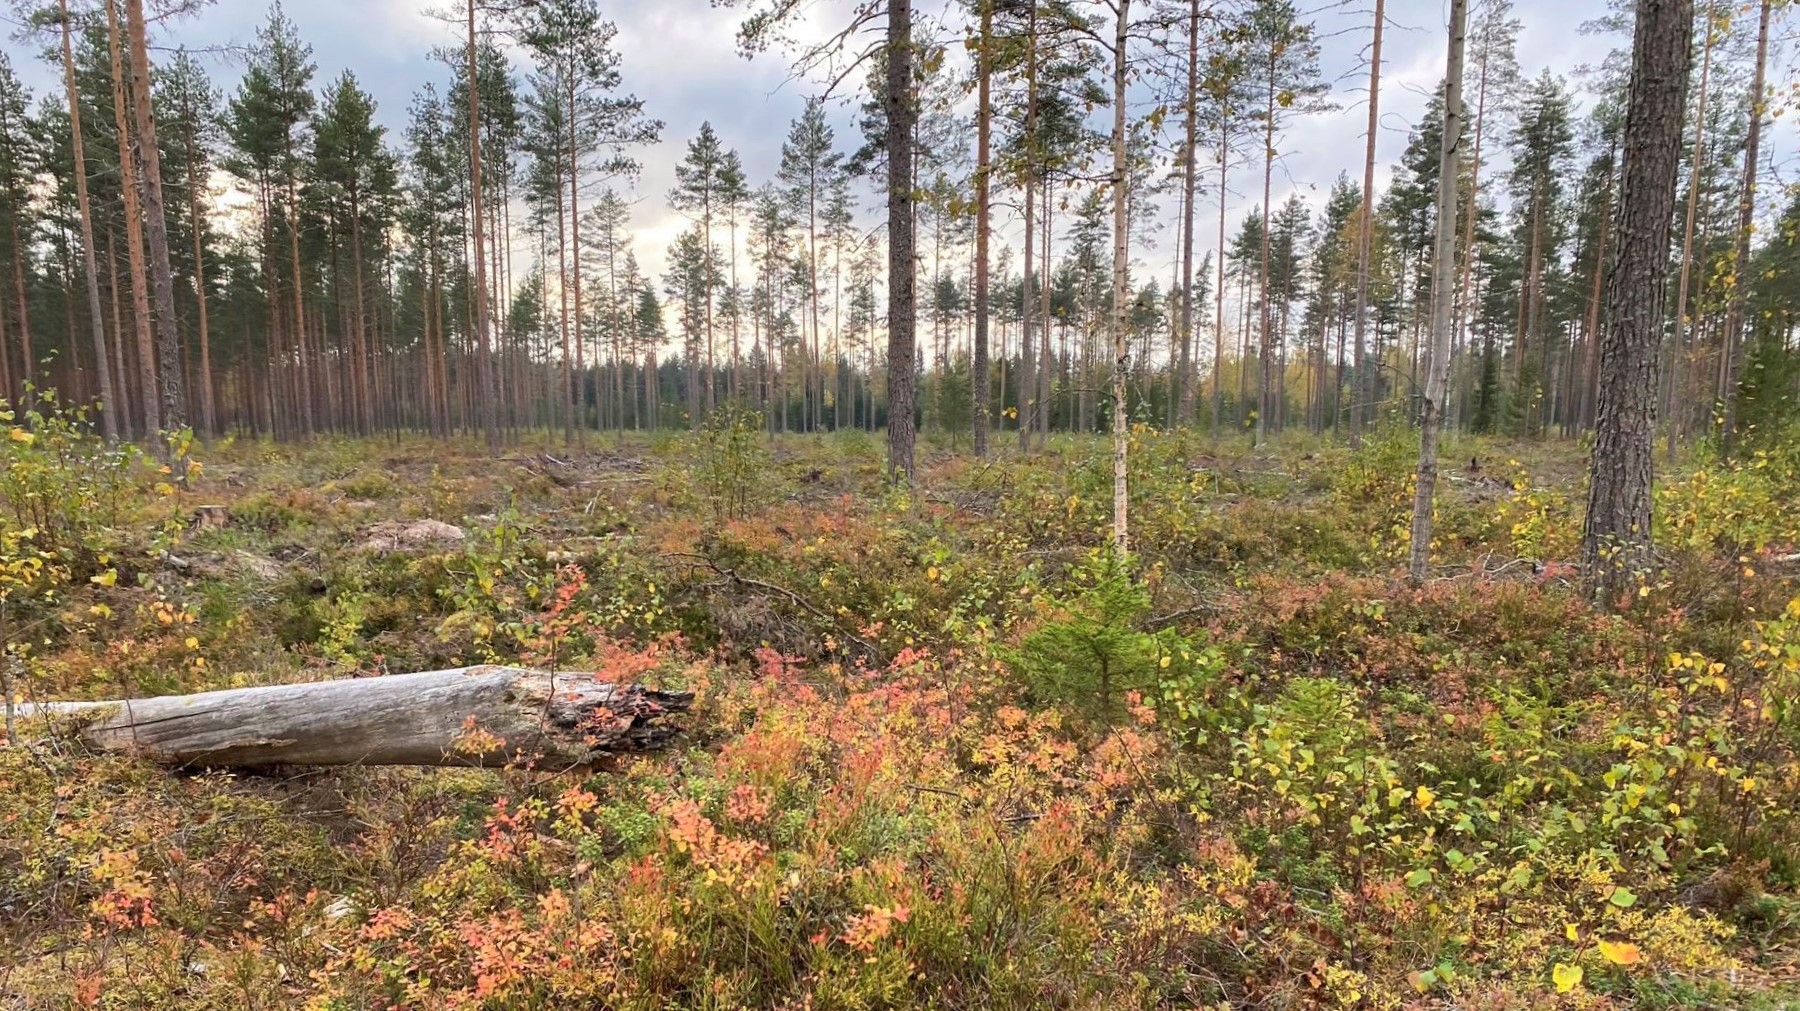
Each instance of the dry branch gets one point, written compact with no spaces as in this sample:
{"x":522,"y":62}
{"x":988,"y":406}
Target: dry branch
{"x":484,"y":715}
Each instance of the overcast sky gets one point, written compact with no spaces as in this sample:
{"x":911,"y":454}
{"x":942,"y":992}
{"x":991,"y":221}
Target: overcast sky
{"x":680,"y":57}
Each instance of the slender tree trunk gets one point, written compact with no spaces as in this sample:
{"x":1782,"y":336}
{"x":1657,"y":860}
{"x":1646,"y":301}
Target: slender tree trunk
{"x":1443,"y":261}
{"x":484,"y":366}
{"x":978,"y":372}
{"x":1045,"y":359}
{"x":1362,"y":391}
{"x":562,"y":287}
{"x":901,"y":380}
{"x":18,"y":271}
{"x":1464,"y":308}
{"x":1616,"y":537}
{"x":1730,"y":359}
{"x":120,"y":352}
{"x":1218,"y":364}
{"x":1585,"y":396}
{"x":1028,"y":367}
{"x":208,"y":410}
{"x":1184,"y":384}
{"x":1674,"y":407}
{"x":134,"y":236}
{"x":109,"y":406}
{"x":359,"y":337}
{"x":1121,"y":334}
{"x":1266,"y":347}
{"x":574,"y":250}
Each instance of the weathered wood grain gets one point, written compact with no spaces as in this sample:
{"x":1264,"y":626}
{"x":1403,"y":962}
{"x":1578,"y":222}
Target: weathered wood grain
{"x":484,"y":716}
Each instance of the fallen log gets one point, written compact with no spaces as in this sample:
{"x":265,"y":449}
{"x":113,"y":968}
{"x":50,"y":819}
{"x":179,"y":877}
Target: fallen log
{"x":482,"y":716}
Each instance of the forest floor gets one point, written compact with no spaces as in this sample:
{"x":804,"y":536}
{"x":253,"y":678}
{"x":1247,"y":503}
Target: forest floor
{"x":944,"y":754}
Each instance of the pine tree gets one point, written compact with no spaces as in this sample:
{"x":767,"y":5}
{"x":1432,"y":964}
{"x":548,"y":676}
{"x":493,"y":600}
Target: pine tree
{"x":110,"y":409}
{"x":1228,"y":98}
{"x":191,"y":118}
{"x":1616,"y":534}
{"x":1286,"y":56}
{"x":698,"y":190}
{"x":267,"y":119}
{"x":351,"y":161}
{"x":809,"y":169}
{"x":1541,"y":144}
{"x":17,"y":172}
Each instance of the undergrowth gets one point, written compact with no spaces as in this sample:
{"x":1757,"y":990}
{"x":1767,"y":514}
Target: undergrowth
{"x":946,"y":753}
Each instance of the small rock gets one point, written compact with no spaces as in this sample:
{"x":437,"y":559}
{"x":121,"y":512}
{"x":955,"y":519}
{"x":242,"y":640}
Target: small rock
{"x":400,"y":535}
{"x":256,"y":566}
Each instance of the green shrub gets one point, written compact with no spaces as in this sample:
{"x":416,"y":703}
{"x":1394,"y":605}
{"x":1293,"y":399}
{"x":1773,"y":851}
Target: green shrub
{"x":731,"y":460}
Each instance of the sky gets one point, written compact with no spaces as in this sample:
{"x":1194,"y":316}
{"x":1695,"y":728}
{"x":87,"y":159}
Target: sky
{"x":680,"y":57}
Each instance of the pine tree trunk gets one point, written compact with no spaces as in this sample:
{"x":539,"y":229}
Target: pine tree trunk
{"x":574,"y":245}
{"x":1443,"y":263}
{"x":1731,"y":357}
{"x":109,"y":406}
{"x":1184,"y":383}
{"x":1675,"y":410}
{"x":901,"y":380}
{"x":1616,"y":537}
{"x":1121,"y":335}
{"x":978,"y":373}
{"x":1362,"y":391}
{"x":149,"y":400}
{"x":484,"y":365}
{"x":1028,"y":365}
{"x":1590,"y":368}
{"x":208,"y":404}
{"x":1265,"y":345}
{"x":1218,"y":364}
{"x":562,"y":287}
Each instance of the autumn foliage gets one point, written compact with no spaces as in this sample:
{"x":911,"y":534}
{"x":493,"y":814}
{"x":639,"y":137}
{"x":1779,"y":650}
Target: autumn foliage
{"x":945,"y":752}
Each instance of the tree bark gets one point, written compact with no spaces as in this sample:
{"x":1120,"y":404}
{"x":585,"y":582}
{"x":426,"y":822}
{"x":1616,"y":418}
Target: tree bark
{"x":156,"y":223}
{"x":1584,"y":399}
{"x":1443,"y":299}
{"x":208,"y":403}
{"x":1616,"y":537}
{"x":1674,"y":407}
{"x":1265,"y":338}
{"x":574,"y":239}
{"x":109,"y":407}
{"x":1121,"y":335}
{"x":1360,"y":388}
{"x":1730,"y":359}
{"x":134,"y":237}
{"x":1183,"y":406}
{"x":482,"y":716}
{"x":901,"y":381}
{"x":1027,"y":395}
{"x":978,"y":373}
{"x":1218,"y":363}
{"x":1465,"y":308}
{"x":484,"y":365}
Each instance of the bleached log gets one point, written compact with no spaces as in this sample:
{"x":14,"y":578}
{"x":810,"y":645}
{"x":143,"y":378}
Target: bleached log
{"x":484,"y":715}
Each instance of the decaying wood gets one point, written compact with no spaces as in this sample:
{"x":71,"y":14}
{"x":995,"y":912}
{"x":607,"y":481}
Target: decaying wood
{"x":484,"y":715}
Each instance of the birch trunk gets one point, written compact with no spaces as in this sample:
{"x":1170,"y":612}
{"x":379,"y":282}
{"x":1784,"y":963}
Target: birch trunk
{"x":1443,"y":296}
